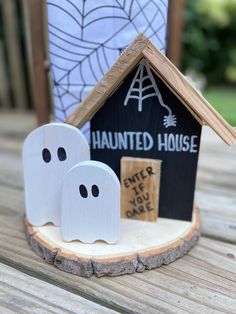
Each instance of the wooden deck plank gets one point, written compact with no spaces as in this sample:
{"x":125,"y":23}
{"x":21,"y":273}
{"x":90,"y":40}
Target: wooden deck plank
{"x":24,"y":294}
{"x":205,"y":279}
{"x":217,"y":203}
{"x":216,"y":181}
{"x":216,"y":186}
{"x":17,"y":123}
{"x":7,"y":309}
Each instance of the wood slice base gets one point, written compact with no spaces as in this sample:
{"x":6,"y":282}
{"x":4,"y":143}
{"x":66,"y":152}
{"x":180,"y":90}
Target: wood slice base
{"x":142,"y":246}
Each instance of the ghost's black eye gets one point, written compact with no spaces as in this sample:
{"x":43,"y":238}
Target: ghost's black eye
{"x":83,"y":191}
{"x":95,"y":190}
{"x":61,"y":153}
{"x":46,"y":155}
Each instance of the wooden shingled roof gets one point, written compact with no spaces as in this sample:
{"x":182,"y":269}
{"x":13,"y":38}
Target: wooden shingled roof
{"x":141,"y":48}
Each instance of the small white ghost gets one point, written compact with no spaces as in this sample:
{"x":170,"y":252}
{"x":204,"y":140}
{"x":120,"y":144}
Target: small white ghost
{"x":90,"y":203}
{"x":48,"y":153}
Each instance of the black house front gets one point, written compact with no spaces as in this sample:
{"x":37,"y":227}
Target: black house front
{"x":143,"y":118}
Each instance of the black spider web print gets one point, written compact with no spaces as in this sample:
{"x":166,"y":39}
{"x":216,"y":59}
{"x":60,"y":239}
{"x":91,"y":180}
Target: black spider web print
{"x":78,"y":61}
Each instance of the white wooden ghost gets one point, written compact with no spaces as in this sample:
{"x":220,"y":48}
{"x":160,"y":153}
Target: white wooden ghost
{"x":48,"y":153}
{"x":90,"y":203}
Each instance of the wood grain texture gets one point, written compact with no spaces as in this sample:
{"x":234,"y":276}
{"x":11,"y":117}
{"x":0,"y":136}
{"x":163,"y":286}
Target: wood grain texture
{"x":203,"y":280}
{"x":35,"y":13}
{"x":140,"y":48}
{"x":140,"y":187}
{"x":188,"y":275}
{"x":20,"y":293}
{"x":116,"y":263}
{"x":5,"y":100}
{"x":205,"y":274}
{"x":175,"y":31}
{"x":216,"y":186}
{"x":188,"y":94}
{"x":14,"y":53}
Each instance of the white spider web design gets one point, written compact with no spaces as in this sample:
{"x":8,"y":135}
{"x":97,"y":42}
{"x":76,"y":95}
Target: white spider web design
{"x":138,"y":91}
{"x":87,"y":36}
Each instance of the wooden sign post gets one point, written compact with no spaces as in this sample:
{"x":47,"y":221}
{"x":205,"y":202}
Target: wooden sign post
{"x":140,"y":185}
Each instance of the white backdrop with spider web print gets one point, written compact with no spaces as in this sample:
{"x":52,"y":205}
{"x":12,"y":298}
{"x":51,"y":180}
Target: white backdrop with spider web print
{"x":86,"y":37}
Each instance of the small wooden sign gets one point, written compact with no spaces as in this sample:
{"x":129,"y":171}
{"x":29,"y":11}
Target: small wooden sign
{"x":140,"y":185}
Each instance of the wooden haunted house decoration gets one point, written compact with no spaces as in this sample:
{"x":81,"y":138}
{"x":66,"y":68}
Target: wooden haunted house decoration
{"x":144,"y":107}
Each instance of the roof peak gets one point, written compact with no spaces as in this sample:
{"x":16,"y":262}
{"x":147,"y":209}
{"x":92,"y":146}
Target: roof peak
{"x":142,"y":49}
